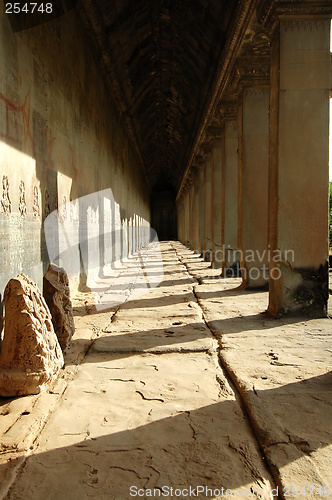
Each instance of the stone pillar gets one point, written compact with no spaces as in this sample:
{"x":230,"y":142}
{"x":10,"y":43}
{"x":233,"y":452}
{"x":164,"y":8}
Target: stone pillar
{"x":211,"y":206}
{"x":196,"y":247}
{"x":180,"y":219}
{"x":253,"y":186}
{"x":298,"y":169}
{"x":186,"y":216}
{"x":201,"y":174}
{"x":191,"y":210}
{"x":230,"y":252}
{"x":136,"y":233}
{"x":207,"y":206}
{"x":217,"y":200}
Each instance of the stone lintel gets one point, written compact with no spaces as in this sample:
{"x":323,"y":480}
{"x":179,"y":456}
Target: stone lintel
{"x":214,"y":134}
{"x":228,"y":109}
{"x":199,"y":161}
{"x":205,"y":148}
{"x":251,"y":71}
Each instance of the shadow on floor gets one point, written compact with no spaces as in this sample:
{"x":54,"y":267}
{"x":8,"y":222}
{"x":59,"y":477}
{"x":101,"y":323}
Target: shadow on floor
{"x":184,"y":337}
{"x":173,"y":338}
{"x":204,"y":446}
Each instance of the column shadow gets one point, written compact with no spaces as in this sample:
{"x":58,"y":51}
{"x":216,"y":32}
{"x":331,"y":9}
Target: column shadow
{"x":192,"y":447}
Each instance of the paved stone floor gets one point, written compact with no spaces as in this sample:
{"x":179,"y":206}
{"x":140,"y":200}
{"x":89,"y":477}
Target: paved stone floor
{"x":185,"y":385}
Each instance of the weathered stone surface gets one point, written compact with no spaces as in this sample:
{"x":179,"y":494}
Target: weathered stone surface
{"x":144,"y":419}
{"x":57,"y":297}
{"x":30,"y":354}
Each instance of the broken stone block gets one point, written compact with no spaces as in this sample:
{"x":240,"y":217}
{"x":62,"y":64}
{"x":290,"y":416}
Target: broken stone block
{"x":57,"y":296}
{"x":30,"y":355}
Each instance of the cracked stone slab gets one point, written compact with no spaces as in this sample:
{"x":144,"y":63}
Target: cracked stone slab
{"x":179,"y":433}
{"x":155,"y":342}
{"x":145,"y":419}
{"x":282,"y":368}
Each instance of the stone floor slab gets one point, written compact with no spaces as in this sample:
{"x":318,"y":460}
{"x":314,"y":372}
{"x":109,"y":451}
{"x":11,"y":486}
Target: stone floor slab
{"x":150,"y":408}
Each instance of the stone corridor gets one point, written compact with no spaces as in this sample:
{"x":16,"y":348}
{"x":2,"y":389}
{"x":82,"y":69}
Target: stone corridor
{"x":150,"y":150}
{"x":189,"y":385}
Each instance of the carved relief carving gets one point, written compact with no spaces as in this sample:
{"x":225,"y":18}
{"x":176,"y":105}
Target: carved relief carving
{"x":205,"y":148}
{"x":252,"y":63}
{"x":64,"y":208}
{"x":256,"y":42}
{"x":228,"y":109}
{"x":71,"y":212}
{"x":313,"y":24}
{"x":190,"y":178}
{"x":35,"y":203}
{"x":199,"y":160}
{"x":269,"y":11}
{"x":214,"y":133}
{"x":251,"y":70}
{"x":47,"y":209}
{"x":22,"y":204}
{"x":266,"y":13}
{"x":254,"y":66}
{"x":257,"y":90}
{"x":194,"y":171}
{"x":6,"y":205}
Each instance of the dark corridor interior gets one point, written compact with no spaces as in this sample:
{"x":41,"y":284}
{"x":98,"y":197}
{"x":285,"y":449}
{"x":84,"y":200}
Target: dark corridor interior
{"x":163,"y":211}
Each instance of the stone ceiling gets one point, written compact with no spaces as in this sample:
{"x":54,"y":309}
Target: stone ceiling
{"x":160,"y":58}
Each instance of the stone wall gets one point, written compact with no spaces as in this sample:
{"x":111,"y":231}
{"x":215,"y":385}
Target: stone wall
{"x":61,"y":140}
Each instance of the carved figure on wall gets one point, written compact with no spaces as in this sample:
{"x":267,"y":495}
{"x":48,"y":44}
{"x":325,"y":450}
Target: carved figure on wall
{"x":6,"y":205}
{"x":22,"y":205}
{"x":64,"y":208}
{"x":47,"y":209}
{"x":35,"y":204}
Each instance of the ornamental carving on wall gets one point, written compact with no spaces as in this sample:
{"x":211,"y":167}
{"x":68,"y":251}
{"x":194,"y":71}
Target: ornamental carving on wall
{"x":22,"y":207}
{"x":64,"y":208}
{"x":47,"y":209}
{"x":6,"y":205}
{"x":35,"y":203}
{"x":305,"y":24}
